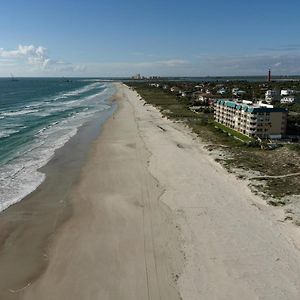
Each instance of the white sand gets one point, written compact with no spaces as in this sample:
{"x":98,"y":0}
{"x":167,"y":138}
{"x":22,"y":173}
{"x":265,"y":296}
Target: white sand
{"x":156,"y":218}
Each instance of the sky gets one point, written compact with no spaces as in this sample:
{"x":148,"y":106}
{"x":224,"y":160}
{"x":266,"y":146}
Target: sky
{"x":165,"y":38}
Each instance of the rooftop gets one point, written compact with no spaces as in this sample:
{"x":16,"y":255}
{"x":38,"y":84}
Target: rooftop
{"x":249,"y":107}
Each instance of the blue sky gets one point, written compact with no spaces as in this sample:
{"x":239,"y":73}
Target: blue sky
{"x":168,"y":38}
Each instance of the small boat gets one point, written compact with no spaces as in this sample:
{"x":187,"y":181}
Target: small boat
{"x":66,"y":80}
{"x":13,"y":78}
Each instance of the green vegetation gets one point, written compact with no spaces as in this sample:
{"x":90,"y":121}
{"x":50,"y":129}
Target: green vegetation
{"x":178,"y":109}
{"x":167,"y":103}
{"x":240,"y":155}
{"x":295,"y":107}
{"x":294,"y":147}
{"x":234,"y":133}
{"x":276,"y":162}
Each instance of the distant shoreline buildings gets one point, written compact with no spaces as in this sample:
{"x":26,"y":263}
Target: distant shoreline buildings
{"x":249,"y":111}
{"x":140,"y":77}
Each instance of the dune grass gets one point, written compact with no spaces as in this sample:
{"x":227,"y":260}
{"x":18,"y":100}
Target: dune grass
{"x":283,"y":160}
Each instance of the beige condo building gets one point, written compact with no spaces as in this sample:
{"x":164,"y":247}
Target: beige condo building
{"x":264,"y":121}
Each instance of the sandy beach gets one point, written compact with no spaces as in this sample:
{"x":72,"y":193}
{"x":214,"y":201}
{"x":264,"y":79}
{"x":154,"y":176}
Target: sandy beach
{"x":155,"y":217}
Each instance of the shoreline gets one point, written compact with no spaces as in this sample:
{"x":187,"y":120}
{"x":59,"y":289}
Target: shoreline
{"x":28,"y":226}
{"x":155,"y":217}
{"x":118,"y":235}
{"x":36,"y":171}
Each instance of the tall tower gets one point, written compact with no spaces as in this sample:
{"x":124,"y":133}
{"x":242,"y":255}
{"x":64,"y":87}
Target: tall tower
{"x":269,"y":75}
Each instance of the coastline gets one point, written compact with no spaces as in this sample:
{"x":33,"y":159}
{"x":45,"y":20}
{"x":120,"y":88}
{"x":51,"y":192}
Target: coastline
{"x":28,"y":226}
{"x":155,"y":217}
{"x":115,"y":243}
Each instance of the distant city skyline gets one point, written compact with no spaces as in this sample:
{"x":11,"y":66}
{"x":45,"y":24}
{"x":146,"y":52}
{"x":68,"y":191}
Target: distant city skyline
{"x":164,"y":38}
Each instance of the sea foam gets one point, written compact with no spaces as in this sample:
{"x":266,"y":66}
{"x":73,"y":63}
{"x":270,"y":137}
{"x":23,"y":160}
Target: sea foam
{"x":20,"y":174}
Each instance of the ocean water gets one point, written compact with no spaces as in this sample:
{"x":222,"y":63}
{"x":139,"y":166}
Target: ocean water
{"x":38,"y":116}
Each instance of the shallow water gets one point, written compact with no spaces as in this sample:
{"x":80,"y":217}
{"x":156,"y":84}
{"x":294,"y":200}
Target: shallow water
{"x":38,"y":116}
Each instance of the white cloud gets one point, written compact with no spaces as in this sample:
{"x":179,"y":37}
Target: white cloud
{"x":23,"y":51}
{"x":33,"y":59}
{"x":30,"y":60}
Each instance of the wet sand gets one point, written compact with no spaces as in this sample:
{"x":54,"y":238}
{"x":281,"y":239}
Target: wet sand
{"x":27,"y":228}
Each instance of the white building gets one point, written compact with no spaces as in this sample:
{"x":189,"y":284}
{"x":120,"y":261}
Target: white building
{"x":157,"y":85}
{"x":288,"y":100}
{"x":175,"y":89}
{"x":286,"y":92}
{"x":221,"y":91}
{"x":272,"y":96}
{"x":137,"y":77}
{"x":238,"y":92}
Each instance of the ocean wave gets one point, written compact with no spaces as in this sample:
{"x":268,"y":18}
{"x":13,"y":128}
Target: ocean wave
{"x":34,"y":105}
{"x":7,"y":133}
{"x":18,"y":113}
{"x":26,"y":185}
{"x":55,"y":107}
{"x":79,"y":91}
{"x":20,"y":175}
{"x":57,"y":100}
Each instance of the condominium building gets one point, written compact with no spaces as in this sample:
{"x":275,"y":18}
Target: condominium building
{"x":250,"y":119}
{"x":272,"y":96}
